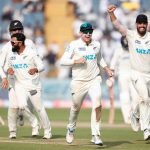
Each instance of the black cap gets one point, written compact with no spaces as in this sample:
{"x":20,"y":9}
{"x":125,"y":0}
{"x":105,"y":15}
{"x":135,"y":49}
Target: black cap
{"x":15,"y":24}
{"x":86,"y":26}
{"x":141,"y":19}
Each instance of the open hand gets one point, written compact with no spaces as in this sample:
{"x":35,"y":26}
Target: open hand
{"x":4,"y":83}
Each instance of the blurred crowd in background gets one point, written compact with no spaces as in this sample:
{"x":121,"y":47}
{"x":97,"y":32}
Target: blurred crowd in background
{"x":31,"y":13}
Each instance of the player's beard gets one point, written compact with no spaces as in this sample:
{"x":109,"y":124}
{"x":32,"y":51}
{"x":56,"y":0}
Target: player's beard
{"x":15,"y":48}
{"x":142,"y":33}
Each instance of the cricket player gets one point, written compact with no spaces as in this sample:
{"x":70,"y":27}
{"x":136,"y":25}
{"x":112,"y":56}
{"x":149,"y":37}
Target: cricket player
{"x":121,"y":64}
{"x":139,"y":49}
{"x":84,"y":56}
{"x":13,"y":110}
{"x":110,"y":84}
{"x":25,"y":65}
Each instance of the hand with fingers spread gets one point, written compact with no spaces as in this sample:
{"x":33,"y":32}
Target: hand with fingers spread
{"x":4,"y":83}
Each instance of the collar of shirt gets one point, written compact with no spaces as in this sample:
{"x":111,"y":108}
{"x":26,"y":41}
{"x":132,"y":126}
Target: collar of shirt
{"x":83,"y":43}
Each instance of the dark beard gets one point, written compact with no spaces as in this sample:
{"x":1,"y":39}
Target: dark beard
{"x":15,"y":48}
{"x":141,"y":33}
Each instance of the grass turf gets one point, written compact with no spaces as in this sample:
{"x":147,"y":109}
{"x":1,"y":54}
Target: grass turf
{"x":114,"y":138}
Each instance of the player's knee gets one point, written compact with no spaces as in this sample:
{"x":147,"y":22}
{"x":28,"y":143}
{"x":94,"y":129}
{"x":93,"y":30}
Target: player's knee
{"x":76,"y":106}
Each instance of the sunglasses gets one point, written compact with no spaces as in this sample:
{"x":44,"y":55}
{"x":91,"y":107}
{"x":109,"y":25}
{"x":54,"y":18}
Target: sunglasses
{"x":19,"y":29}
{"x":88,"y":31}
{"x":14,"y":42}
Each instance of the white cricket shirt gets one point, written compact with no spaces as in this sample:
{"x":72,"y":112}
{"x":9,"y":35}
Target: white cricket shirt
{"x":7,"y":48}
{"x":21,"y":65}
{"x":139,"y":48}
{"x":91,"y":53}
{"x":121,"y":61}
{"x":139,"y":51}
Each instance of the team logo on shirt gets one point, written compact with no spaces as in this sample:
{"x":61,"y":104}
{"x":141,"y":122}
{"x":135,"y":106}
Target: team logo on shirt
{"x":137,"y":41}
{"x":13,"y":58}
{"x":142,"y":51}
{"x":94,"y":48}
{"x":82,"y":49}
{"x":147,"y":42}
{"x":90,"y":57}
{"x":20,"y":66}
{"x":24,"y":57}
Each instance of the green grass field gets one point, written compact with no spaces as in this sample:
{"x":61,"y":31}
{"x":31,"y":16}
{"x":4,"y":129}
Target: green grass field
{"x":115,"y":137}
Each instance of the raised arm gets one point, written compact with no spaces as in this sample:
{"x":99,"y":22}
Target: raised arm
{"x":114,"y":20}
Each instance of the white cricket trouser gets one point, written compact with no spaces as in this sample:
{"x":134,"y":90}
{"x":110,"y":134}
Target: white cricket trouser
{"x":13,"y":112}
{"x":141,"y":83}
{"x":79,"y":90}
{"x":127,"y":94}
{"x":37,"y":103}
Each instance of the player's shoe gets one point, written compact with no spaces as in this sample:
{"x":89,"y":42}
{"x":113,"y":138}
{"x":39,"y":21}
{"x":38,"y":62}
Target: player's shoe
{"x":97,"y":140}
{"x":47,"y":134}
{"x":12,"y":135}
{"x":135,"y":122}
{"x":146,"y":135}
{"x":70,"y":136}
{"x":35,"y":130}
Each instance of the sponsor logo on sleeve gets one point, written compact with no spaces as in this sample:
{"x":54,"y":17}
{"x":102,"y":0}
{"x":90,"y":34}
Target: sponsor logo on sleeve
{"x":82,"y":49}
{"x":13,"y":58}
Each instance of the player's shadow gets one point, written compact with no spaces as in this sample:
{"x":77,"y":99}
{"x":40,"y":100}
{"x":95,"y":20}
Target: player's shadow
{"x":105,"y":145}
{"x":40,"y":137}
{"x":56,"y":136}
{"x":115,"y":143}
{"x":146,"y":142}
{"x":33,"y":137}
{"x":110,"y":144}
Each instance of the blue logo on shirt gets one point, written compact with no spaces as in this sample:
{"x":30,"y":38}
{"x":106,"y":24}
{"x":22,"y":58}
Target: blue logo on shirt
{"x":143,"y":51}
{"x":90,"y":57}
{"x":20,"y":66}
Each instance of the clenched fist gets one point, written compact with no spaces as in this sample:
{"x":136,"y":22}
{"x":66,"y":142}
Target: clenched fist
{"x":10,"y":71}
{"x":33,"y":71}
{"x":111,"y":8}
